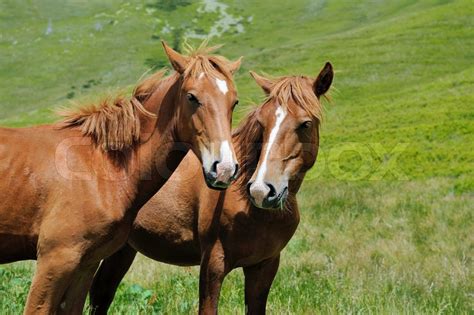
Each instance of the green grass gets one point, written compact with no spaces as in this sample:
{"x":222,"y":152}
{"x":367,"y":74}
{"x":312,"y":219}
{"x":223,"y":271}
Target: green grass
{"x":387,"y":214}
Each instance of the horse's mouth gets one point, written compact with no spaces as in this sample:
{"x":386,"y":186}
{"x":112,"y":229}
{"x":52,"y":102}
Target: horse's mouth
{"x":278,"y":203}
{"x":214,"y":184}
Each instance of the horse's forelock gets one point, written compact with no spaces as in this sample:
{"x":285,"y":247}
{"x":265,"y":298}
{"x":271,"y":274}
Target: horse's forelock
{"x":209,"y":64}
{"x":299,"y":90}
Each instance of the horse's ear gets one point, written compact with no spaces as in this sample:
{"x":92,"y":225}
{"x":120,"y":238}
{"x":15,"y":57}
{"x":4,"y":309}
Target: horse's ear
{"x":234,"y":66}
{"x":323,"y":81}
{"x":265,"y":84}
{"x":178,"y":61}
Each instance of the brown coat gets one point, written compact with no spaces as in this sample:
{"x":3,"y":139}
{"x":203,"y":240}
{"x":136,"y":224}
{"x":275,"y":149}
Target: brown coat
{"x":186,"y":223}
{"x":71,"y":191}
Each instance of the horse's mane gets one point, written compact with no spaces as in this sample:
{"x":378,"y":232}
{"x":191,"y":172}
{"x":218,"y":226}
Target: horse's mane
{"x":114,"y":124}
{"x":248,"y":135}
{"x":248,"y":139}
{"x":296,"y":88}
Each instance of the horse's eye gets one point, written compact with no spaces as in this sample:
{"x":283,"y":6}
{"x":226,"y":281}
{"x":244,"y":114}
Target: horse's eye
{"x":193,"y":99}
{"x":306,"y":125}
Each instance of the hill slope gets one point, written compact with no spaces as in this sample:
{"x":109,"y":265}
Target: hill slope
{"x":386,"y":215}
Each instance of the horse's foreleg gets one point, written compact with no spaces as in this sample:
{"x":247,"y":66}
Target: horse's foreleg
{"x":108,"y":277}
{"x":76,"y":294}
{"x":54,"y":272}
{"x":258,"y":280}
{"x":212,"y":273}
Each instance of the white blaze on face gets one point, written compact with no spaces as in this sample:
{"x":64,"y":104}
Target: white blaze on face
{"x":226,"y":153}
{"x":226,"y":166}
{"x":201,"y":75}
{"x":279,"y":117}
{"x":206,"y":157}
{"x":222,"y":85}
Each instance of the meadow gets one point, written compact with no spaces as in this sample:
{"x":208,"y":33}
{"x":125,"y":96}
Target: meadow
{"x":387,"y":212}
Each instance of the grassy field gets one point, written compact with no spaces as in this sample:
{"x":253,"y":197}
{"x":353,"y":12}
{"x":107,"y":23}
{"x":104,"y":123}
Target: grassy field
{"x":387,"y":212}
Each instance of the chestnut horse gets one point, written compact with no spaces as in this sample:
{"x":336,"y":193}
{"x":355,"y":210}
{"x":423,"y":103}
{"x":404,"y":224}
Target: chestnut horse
{"x":186,"y":223}
{"x":71,"y":191}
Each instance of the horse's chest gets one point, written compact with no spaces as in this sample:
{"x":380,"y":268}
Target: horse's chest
{"x":252,"y":244}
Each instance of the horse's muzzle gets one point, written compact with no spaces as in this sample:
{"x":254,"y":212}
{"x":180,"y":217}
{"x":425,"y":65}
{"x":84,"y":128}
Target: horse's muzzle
{"x":221,"y":175}
{"x":265,"y":196}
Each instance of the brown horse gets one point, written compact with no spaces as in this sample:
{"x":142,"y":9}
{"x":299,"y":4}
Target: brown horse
{"x":186,"y":223}
{"x":71,"y":191}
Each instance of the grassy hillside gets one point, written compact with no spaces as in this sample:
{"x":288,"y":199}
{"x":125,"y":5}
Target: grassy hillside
{"x":387,"y":211}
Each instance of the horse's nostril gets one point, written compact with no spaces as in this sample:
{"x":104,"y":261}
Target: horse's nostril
{"x":214,"y":167}
{"x":272,"y":192}
{"x":236,"y":172}
{"x":248,"y":187}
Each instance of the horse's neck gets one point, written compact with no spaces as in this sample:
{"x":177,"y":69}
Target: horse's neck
{"x":161,"y":154}
{"x":164,"y":104}
{"x":164,"y":95}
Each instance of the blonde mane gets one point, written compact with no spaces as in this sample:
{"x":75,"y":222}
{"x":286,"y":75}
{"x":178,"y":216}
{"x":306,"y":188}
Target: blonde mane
{"x":248,"y":138}
{"x":114,"y":125}
{"x":202,"y":60}
{"x":296,"y":88}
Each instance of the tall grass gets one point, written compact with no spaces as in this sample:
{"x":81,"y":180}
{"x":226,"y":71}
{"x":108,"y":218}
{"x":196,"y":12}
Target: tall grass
{"x":387,"y":214}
